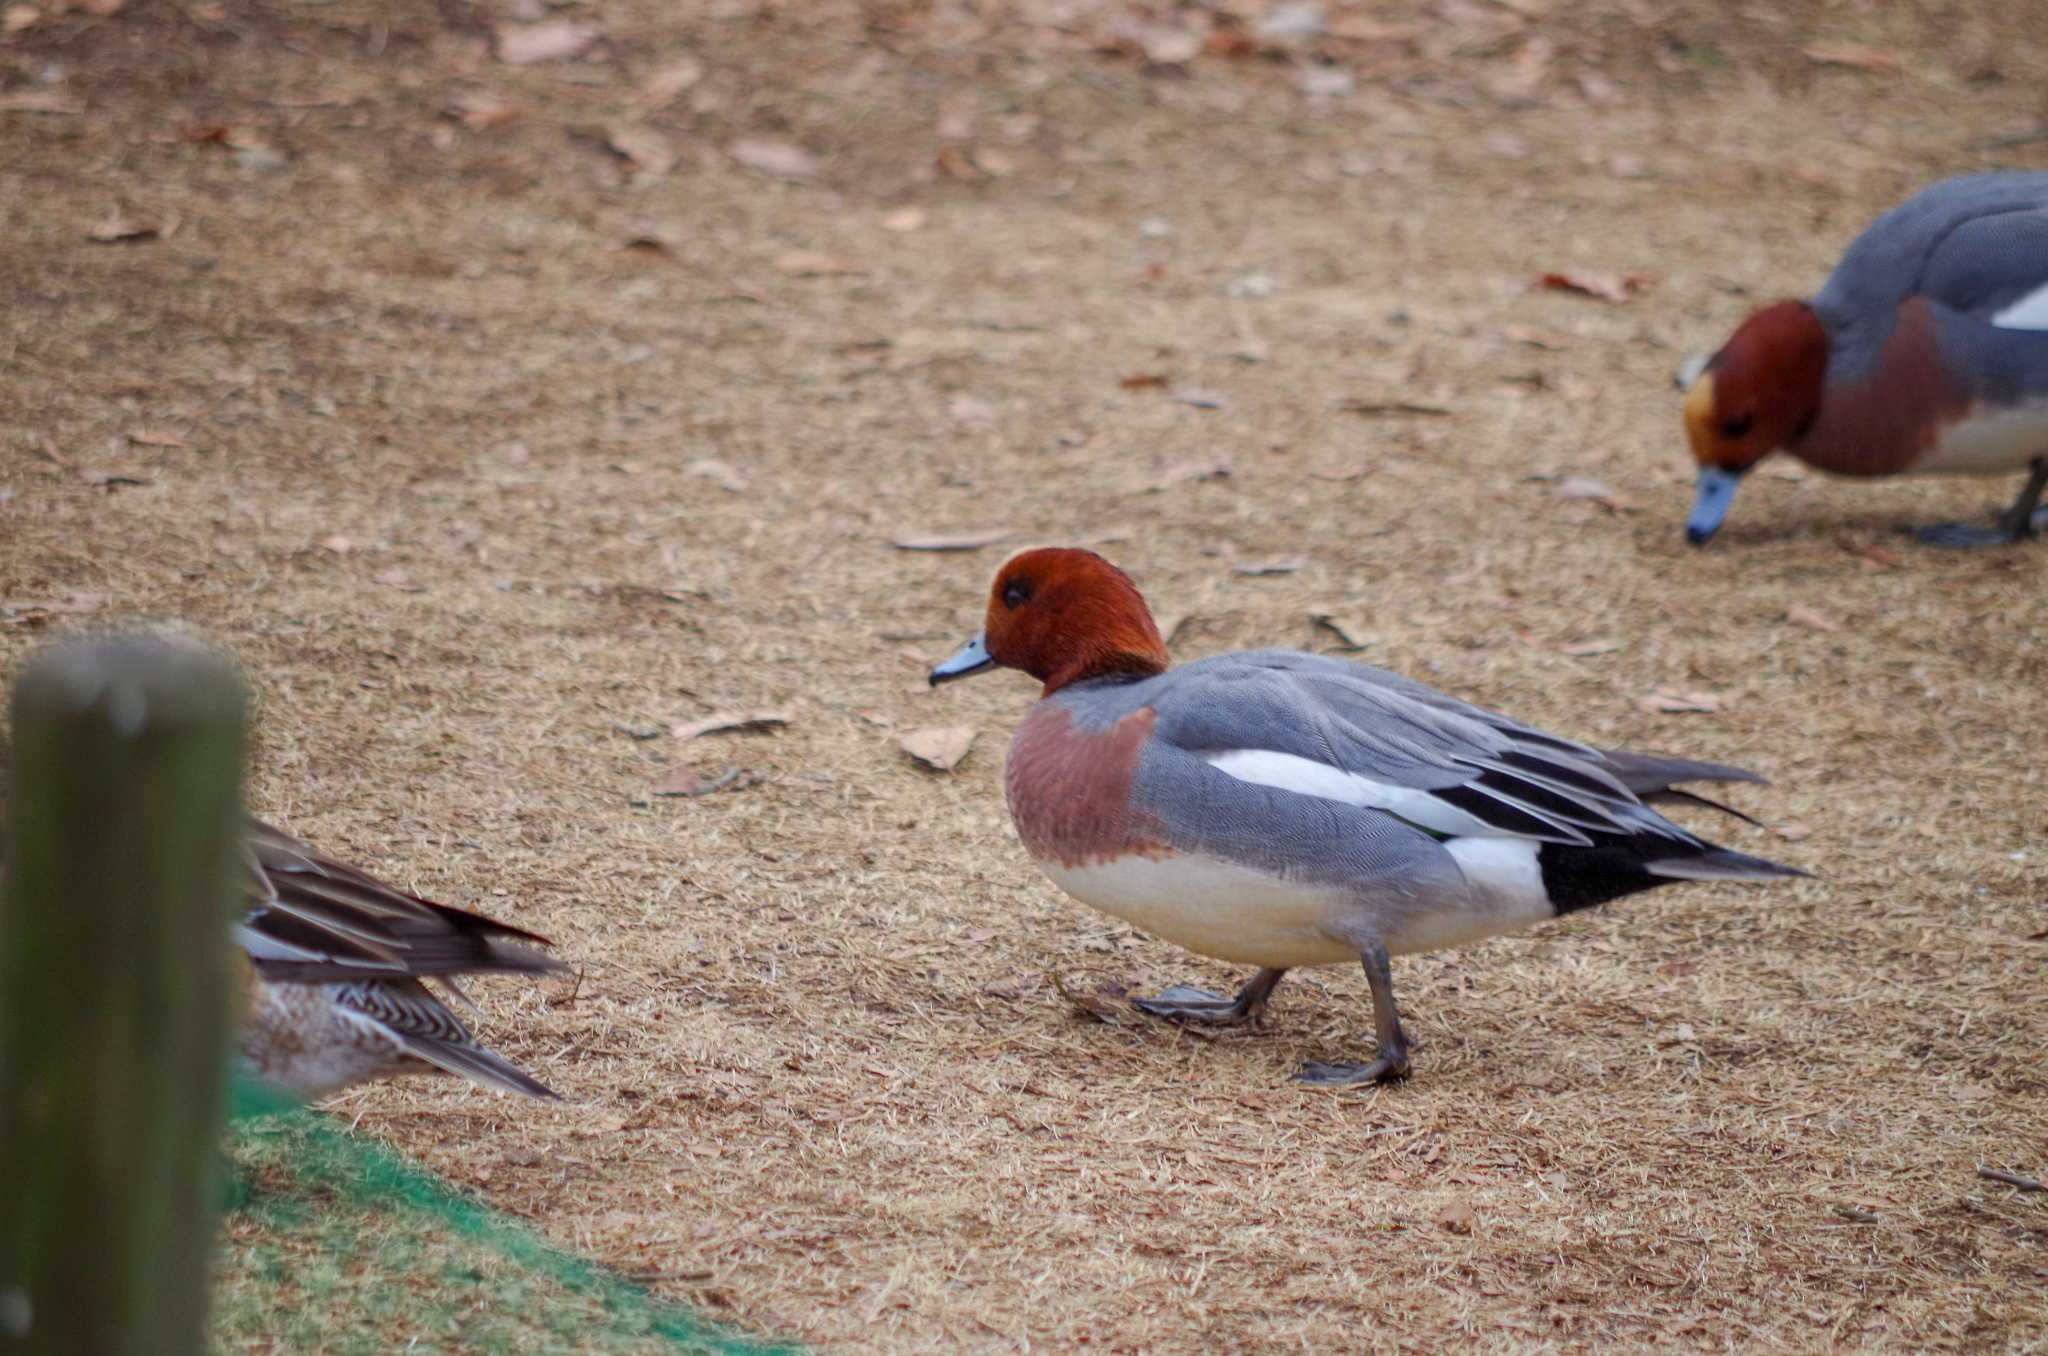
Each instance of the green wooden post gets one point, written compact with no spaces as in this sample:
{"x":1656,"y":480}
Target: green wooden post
{"x":116,"y":994}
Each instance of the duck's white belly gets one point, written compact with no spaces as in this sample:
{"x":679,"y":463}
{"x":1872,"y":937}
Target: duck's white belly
{"x":1215,"y":908}
{"x":1989,"y":443}
{"x":1220,"y":909}
{"x":298,"y":1037}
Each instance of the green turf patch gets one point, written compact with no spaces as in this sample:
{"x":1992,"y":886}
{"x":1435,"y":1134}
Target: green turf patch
{"x":334,"y":1243}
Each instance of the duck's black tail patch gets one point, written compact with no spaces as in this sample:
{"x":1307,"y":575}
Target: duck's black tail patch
{"x":1580,"y":877}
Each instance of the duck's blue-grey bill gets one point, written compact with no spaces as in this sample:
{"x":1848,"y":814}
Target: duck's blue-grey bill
{"x":1713,"y":492}
{"x":969,"y":658}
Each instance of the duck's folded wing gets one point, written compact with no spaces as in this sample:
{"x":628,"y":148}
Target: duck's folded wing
{"x":1356,"y":735}
{"x":1994,"y":266}
{"x":311,"y":918}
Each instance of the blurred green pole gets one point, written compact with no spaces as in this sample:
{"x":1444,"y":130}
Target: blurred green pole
{"x":116,"y":994}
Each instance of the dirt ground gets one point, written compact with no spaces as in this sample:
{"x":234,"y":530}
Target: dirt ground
{"x":500,"y":418}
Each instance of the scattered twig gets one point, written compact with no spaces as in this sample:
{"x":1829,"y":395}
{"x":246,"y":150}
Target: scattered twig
{"x":2011,"y":1179}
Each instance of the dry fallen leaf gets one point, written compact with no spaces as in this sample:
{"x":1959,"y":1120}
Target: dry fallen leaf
{"x":953,"y":541}
{"x":1876,"y":559}
{"x":812,"y":264}
{"x":1671,"y":701}
{"x":481,"y":110}
{"x":1535,"y":336}
{"x":1143,"y":381}
{"x":1580,"y":649}
{"x":525,"y":44}
{"x":1616,"y":287}
{"x":732,"y":722}
{"x":15,"y":18}
{"x":905,"y":219}
{"x":1858,"y":56}
{"x":940,"y":747}
{"x":40,"y":101}
{"x":1594,"y":491}
{"x":1283,"y":565}
{"x":1801,"y":615}
{"x":1793,"y":831}
{"x":1189,"y":472}
{"x":1324,"y":82}
{"x":1458,"y":1217}
{"x":150,"y":437}
{"x":1169,"y":624}
{"x":398,"y":579}
{"x":38,"y":612}
{"x":718,"y":472}
{"x":661,"y":86}
{"x":115,"y":228}
{"x":1374,"y":409}
{"x":687,"y":781}
{"x":1109,"y":1003}
{"x":774,"y":157}
{"x":650,"y":151}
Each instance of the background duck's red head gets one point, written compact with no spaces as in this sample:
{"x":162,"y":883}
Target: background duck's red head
{"x":1756,"y":395}
{"x":1062,"y":615}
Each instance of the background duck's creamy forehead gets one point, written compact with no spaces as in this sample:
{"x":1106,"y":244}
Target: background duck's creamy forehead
{"x":448,"y":492}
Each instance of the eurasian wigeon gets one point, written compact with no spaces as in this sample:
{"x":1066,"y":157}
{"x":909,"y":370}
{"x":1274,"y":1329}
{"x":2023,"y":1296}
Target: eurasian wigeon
{"x":1280,"y":809}
{"x":336,"y":960}
{"x":1926,"y":353}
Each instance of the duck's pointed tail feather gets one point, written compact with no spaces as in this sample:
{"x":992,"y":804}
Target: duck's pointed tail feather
{"x":477,"y":1064}
{"x":1649,"y":774}
{"x":1721,"y":864}
{"x":1670,"y":797}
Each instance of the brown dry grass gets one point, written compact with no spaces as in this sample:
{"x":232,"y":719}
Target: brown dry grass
{"x":814,"y":1053}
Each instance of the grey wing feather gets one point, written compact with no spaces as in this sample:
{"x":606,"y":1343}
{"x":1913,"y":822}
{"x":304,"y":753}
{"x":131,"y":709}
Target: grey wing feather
{"x":1516,"y":780}
{"x":1984,"y":264}
{"x":1918,"y":247}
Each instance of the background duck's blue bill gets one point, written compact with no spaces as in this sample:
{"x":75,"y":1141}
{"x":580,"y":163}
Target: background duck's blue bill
{"x":1713,"y":492}
{"x":969,"y":658}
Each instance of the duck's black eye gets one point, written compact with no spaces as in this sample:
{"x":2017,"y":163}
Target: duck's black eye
{"x":1016,"y":593}
{"x":1738,"y":426}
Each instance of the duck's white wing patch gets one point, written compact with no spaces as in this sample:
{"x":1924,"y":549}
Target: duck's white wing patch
{"x":1690,"y":369}
{"x":2030,"y":312}
{"x":1487,"y":800}
{"x":1306,"y":777}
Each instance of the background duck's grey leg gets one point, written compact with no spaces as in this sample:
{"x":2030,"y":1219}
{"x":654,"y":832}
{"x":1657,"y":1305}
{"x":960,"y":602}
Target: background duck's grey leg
{"x":1392,"y":1060}
{"x":2017,"y":523}
{"x":2026,"y":516}
{"x":1184,"y":1004}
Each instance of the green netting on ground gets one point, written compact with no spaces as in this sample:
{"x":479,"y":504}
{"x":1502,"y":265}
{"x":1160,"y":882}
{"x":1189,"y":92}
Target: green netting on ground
{"x":333,"y":1243}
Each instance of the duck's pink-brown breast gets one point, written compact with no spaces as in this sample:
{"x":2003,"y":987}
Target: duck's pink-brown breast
{"x":1892,"y":418}
{"x":1069,"y":788}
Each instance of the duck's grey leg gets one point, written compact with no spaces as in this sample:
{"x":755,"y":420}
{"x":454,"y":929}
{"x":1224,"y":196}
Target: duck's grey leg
{"x":2022,"y":520}
{"x":1392,"y":1060}
{"x":1183,"y":1004}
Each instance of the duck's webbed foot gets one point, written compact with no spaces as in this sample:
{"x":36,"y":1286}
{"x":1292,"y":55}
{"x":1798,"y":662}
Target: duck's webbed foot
{"x":1387,"y":1066}
{"x":1968,"y":536}
{"x":1392,"y":1060}
{"x":2024,"y":519}
{"x":1199,"y":1007}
